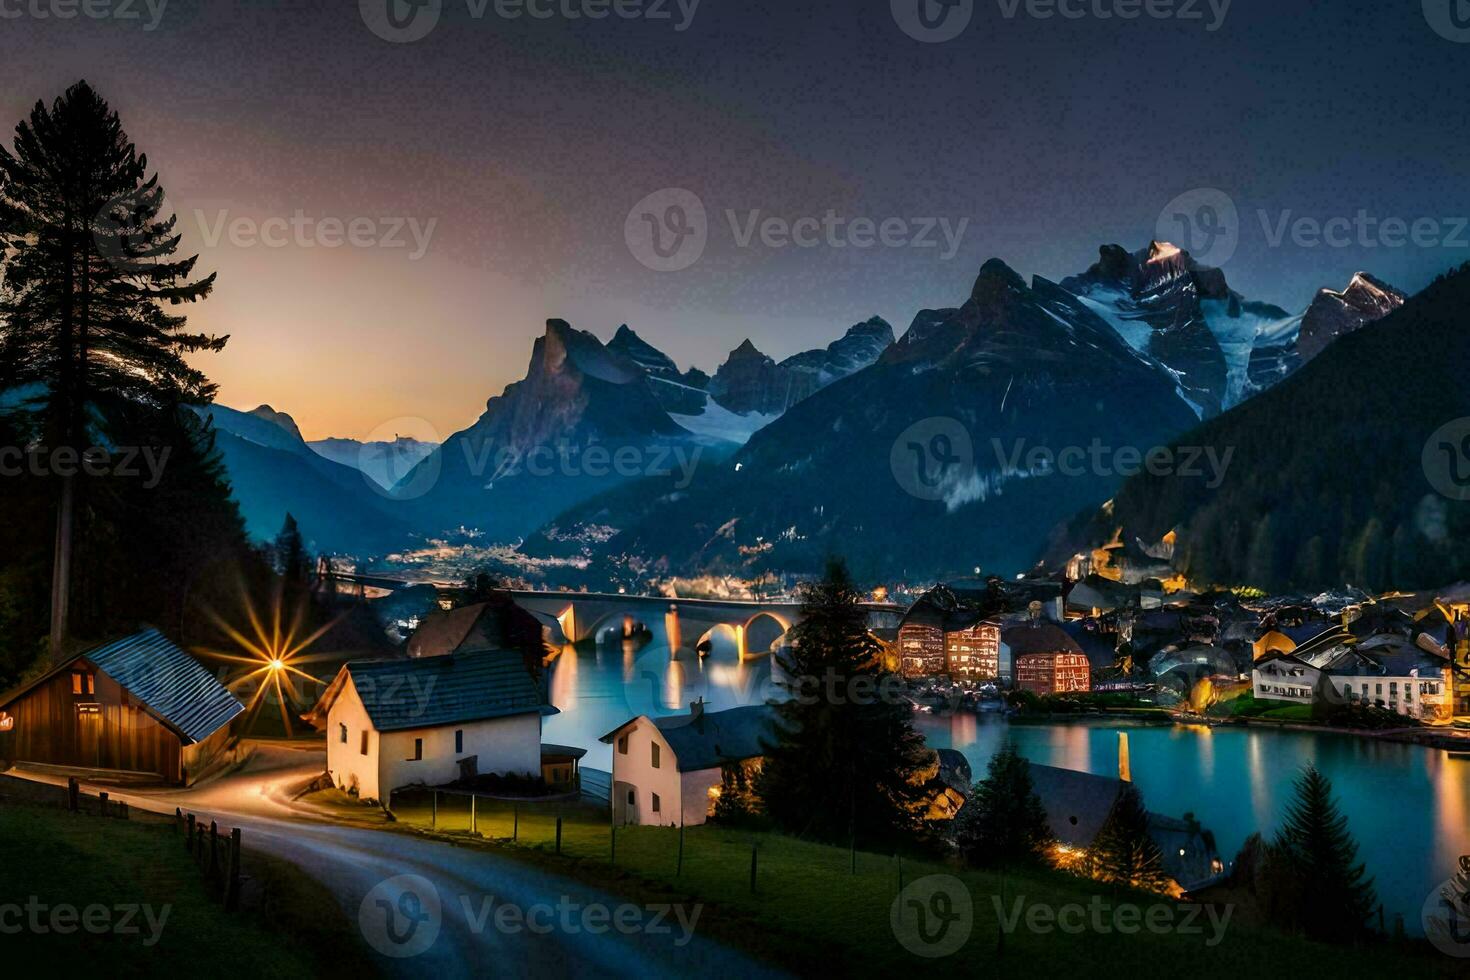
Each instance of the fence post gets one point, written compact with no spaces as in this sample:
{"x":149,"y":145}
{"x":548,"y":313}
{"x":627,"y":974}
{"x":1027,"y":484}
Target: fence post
{"x":474,"y":816}
{"x":213,"y":853}
{"x":232,"y":887}
{"x":558,"y":835}
{"x":515,"y":827}
{"x":102,"y":804}
{"x":679,"y":868}
{"x":752,"y":868}
{"x":73,"y":791}
{"x":178,"y":819}
{"x":434,"y":811}
{"x":851,"y":854}
{"x":613,"y":833}
{"x":189,"y":834}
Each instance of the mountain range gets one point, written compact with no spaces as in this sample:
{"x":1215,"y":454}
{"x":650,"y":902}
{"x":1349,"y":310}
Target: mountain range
{"x":610,"y":454}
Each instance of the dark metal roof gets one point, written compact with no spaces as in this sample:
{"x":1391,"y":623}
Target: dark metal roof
{"x":170,"y":683}
{"x":710,"y":738}
{"x":458,"y":687}
{"x":1038,"y":637}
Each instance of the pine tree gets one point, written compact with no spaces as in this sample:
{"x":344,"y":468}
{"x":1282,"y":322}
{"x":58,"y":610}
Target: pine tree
{"x":1317,"y":851}
{"x":91,"y":265}
{"x":846,"y":763}
{"x":1124,"y":852}
{"x":291,"y":558}
{"x":1003,"y":821}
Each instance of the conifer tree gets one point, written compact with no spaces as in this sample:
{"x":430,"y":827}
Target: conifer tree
{"x":1003,"y":821}
{"x":1124,"y":851}
{"x":91,"y":267}
{"x":1317,"y":851}
{"x":845,"y":763}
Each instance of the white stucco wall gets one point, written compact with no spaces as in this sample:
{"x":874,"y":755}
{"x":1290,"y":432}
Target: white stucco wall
{"x":501,"y":745}
{"x":634,"y":770}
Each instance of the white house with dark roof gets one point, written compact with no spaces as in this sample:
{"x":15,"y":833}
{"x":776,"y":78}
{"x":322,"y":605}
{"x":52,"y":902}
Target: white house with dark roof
{"x":668,"y":771}
{"x":391,"y":724}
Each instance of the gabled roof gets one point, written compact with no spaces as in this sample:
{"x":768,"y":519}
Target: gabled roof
{"x":1077,"y":804}
{"x":1038,"y":637}
{"x":170,"y":684}
{"x":458,"y":687}
{"x":710,"y":738}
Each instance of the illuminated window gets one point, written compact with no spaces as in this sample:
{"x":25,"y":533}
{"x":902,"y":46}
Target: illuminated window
{"x":83,"y":682}
{"x":362,"y":747}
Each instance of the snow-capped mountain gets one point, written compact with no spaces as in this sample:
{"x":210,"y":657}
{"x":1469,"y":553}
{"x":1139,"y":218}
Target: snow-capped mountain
{"x":385,"y":463}
{"x":1015,"y":366}
{"x":1182,"y":313}
{"x":1291,"y":343}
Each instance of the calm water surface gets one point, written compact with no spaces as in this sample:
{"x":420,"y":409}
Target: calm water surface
{"x":1407,"y":806}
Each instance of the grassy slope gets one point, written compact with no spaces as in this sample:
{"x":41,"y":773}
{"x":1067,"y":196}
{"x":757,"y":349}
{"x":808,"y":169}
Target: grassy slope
{"x":811,"y":912}
{"x":60,"y":857}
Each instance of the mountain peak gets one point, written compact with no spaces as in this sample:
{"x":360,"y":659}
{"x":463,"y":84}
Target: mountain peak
{"x":994,"y":276}
{"x":279,"y":419}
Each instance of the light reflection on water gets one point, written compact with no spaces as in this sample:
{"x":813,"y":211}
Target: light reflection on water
{"x":1408,"y":807}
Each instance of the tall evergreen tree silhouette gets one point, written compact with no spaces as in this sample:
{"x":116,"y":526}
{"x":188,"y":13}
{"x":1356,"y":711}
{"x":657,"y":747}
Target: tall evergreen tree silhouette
{"x":91,"y":271}
{"x":1003,"y":821}
{"x":1317,"y":851}
{"x":1124,"y":851}
{"x":846,"y":762}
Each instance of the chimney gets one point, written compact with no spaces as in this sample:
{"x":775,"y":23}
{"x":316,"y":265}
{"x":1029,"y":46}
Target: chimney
{"x":696,"y":708}
{"x":1125,"y":773}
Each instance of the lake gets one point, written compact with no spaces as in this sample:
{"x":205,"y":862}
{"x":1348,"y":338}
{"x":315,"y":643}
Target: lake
{"x":1407,"y":806}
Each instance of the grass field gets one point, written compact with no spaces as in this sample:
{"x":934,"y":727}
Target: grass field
{"x":55,"y":861}
{"x":816,"y":908}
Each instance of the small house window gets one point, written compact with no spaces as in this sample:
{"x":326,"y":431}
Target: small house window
{"x":459,"y":740}
{"x":631,"y":798}
{"x":342,"y":734}
{"x":83,"y":683}
{"x":622,"y":745}
{"x":655,"y":754}
{"x":363,"y":744}
{"x":655,"y":803}
{"x":418,"y":750}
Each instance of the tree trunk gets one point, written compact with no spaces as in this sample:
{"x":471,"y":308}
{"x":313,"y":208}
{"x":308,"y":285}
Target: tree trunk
{"x":61,"y":571}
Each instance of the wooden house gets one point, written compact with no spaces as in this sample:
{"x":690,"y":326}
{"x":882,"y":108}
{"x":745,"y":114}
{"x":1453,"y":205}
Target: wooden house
{"x":139,"y":705}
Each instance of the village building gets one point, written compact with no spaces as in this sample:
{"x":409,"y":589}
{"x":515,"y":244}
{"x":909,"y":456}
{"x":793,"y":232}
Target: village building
{"x":392,"y":724}
{"x":669,"y":771}
{"x":1284,"y":677}
{"x":972,"y":653}
{"x":1389,"y":672}
{"x":494,"y":624}
{"x":139,"y":706}
{"x":1046,"y":659}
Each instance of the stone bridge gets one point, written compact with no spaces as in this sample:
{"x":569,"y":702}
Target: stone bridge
{"x":756,"y":627}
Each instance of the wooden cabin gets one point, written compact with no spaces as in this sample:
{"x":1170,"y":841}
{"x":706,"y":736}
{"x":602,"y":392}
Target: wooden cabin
{"x":139,"y":706}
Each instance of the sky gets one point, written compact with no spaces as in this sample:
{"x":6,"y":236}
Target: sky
{"x":396,"y":205}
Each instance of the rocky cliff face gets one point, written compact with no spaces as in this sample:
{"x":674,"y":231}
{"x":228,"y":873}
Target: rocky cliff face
{"x":1333,"y":314}
{"x":678,"y":393}
{"x":750,"y":381}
